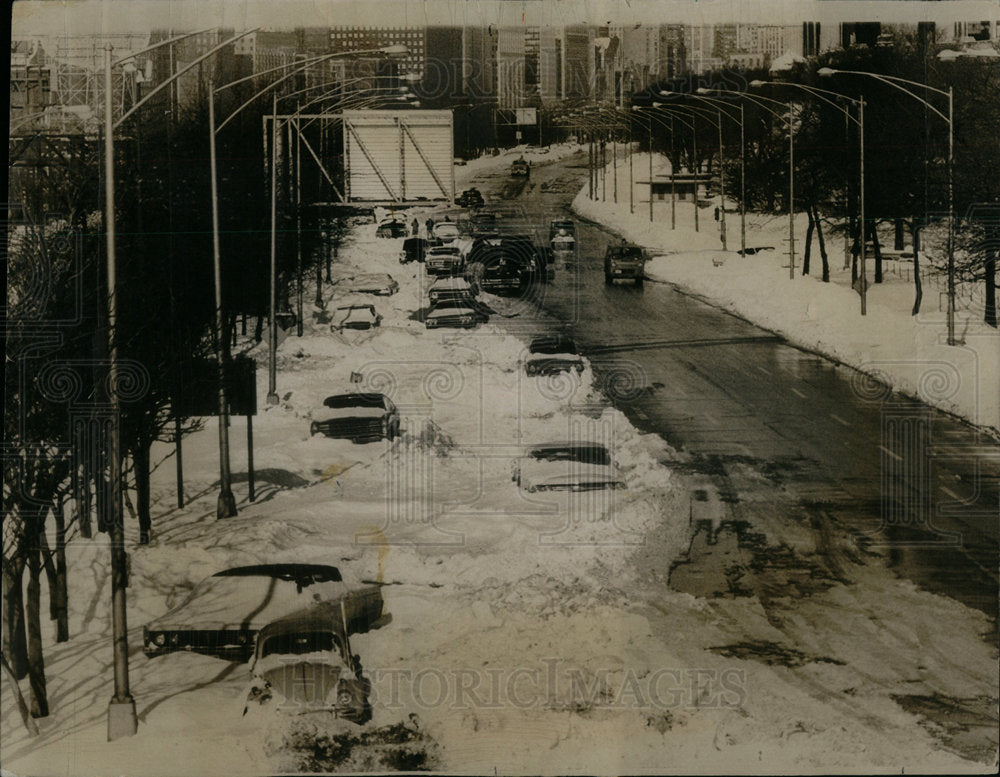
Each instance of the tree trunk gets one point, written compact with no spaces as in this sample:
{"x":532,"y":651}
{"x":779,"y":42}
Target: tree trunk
{"x":918,"y":289}
{"x":990,"y":267}
{"x":140,"y":463}
{"x":83,"y":506}
{"x":855,"y":249}
{"x":822,"y":246}
{"x":39,"y":702}
{"x":15,"y":646}
{"x":877,"y":250}
{"x":22,"y":706}
{"x":57,"y":593}
{"x":807,"y":251}
{"x":897,"y":234}
{"x":62,"y":576}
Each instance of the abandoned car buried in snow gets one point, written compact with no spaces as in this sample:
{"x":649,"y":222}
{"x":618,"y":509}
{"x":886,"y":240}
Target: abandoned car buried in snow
{"x":303,"y":663}
{"x":361,"y":417}
{"x":223,"y":613}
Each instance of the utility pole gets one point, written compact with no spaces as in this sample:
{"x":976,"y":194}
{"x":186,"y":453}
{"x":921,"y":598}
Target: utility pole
{"x":122,"y":720}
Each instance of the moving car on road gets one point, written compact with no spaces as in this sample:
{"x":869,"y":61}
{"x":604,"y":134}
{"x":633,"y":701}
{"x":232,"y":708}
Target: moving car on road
{"x":565,"y":228}
{"x":223,"y":613}
{"x":566,"y":466}
{"x":552,"y":354}
{"x":624,"y":261}
{"x":303,"y":663}
{"x":471,"y":198}
{"x":520,"y":168}
{"x":361,"y":417}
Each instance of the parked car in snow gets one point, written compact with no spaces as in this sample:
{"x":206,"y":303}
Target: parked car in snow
{"x":414,"y":249}
{"x":445,"y":231}
{"x":368,"y":283}
{"x":520,"y":168}
{"x":471,"y":198}
{"x":455,"y":313}
{"x":391,"y":228}
{"x":303,"y":663}
{"x":552,"y":354}
{"x":223,"y":613}
{"x":451,"y":288}
{"x":361,"y":417}
{"x":444,"y":260}
{"x":355,"y":317}
{"x":565,"y":228}
{"x":566,"y":466}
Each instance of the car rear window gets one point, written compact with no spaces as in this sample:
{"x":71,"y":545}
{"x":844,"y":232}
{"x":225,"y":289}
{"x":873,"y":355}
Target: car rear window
{"x":585,"y":454}
{"x":355,"y":400}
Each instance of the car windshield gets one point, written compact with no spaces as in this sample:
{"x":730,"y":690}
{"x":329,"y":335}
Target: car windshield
{"x":629,"y":252}
{"x":585,"y":454}
{"x":302,"y":574}
{"x":298,"y":642}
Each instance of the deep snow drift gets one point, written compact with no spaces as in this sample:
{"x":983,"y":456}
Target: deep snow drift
{"x":528,"y":633}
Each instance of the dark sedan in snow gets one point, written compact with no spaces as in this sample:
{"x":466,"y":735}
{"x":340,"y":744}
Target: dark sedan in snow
{"x":458,"y":313}
{"x":223,"y":613}
{"x":361,"y":417}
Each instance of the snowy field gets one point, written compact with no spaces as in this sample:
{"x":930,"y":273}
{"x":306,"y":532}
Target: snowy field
{"x":526,"y":635}
{"x":908,"y":353}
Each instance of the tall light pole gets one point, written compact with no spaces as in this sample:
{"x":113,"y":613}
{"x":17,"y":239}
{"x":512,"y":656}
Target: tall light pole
{"x":701,"y":95}
{"x":763,"y":102}
{"x":296,"y":67}
{"x":895,"y":82}
{"x":677,"y":112}
{"x":821,"y":94}
{"x":122,"y":720}
{"x":722,"y":160}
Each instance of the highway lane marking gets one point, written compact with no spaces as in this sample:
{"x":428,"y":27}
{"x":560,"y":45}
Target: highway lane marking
{"x":890,"y":453}
{"x":839,"y":420}
{"x":797,"y":392}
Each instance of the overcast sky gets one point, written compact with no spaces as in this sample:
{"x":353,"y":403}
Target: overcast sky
{"x":88,"y":17}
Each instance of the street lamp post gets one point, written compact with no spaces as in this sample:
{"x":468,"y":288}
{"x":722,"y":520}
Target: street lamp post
{"x":860,"y":121}
{"x":896,"y":82}
{"x":122,"y":720}
{"x":675,"y":111}
{"x":743,"y":211}
{"x":762,"y":102}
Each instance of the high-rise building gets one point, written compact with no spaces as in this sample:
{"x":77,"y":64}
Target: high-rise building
{"x":368,"y":38}
{"x":510,"y":67}
{"x":578,"y":61}
{"x":479,"y":63}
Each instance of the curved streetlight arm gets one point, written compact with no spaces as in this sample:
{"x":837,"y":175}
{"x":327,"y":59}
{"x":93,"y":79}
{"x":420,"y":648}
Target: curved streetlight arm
{"x":177,"y":75}
{"x":685,"y":122}
{"x":301,"y":65}
{"x":894,"y":81}
{"x":707,"y":114}
{"x":716,"y":103}
{"x":819,"y":95}
{"x":135,"y":54}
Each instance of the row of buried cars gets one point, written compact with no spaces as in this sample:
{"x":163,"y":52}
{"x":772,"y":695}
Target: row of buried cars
{"x":292,"y":622}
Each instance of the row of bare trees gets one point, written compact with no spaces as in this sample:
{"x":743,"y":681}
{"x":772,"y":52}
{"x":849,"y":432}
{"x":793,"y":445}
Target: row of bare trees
{"x":55,"y":466}
{"x":906,"y":156}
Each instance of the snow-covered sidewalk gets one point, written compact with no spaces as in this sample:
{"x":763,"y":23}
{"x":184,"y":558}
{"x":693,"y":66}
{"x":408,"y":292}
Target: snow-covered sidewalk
{"x":908,"y":353}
